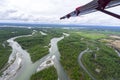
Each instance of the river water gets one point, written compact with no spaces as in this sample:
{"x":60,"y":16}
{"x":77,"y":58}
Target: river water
{"x":81,"y":64}
{"x":54,"y":51}
{"x":21,"y":66}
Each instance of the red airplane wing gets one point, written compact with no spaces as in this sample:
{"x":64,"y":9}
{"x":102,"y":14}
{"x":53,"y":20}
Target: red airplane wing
{"x":93,"y":6}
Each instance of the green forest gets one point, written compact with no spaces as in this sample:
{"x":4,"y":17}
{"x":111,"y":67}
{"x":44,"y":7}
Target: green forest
{"x":38,"y":45}
{"x":46,"y":74}
{"x":107,"y":60}
{"x":5,"y":50}
{"x":101,"y":60}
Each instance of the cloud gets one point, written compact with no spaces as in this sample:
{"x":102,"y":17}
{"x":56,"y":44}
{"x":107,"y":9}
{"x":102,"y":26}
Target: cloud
{"x":49,"y":11}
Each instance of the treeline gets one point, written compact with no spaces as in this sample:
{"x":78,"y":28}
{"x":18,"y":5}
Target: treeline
{"x":70,"y":48}
{"x":5,"y":50}
{"x":8,"y":32}
{"x":103,"y":63}
{"x":38,"y":45}
{"x":46,"y":74}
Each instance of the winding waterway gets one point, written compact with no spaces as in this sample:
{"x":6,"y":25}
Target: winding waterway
{"x":54,"y":51}
{"x":21,"y":66}
{"x":81,"y":64}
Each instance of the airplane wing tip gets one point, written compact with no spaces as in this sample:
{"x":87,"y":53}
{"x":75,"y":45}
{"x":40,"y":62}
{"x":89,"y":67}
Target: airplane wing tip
{"x":62,"y":17}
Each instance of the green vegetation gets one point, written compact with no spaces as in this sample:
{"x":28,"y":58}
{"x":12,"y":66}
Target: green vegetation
{"x":106,"y":59}
{"x":91,"y":35}
{"x":103,"y":64}
{"x":4,"y":55}
{"x":70,"y":47}
{"x":38,"y":45}
{"x":5,"y":50}
{"x":101,"y":31}
{"x":47,"y":74}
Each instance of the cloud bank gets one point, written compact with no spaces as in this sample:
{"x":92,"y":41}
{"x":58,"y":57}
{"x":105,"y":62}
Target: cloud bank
{"x":49,"y":11}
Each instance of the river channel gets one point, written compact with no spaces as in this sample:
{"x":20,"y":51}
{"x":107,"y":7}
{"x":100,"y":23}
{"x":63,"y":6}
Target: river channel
{"x":21,"y":67}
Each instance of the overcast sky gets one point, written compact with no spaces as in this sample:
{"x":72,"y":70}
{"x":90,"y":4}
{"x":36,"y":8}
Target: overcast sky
{"x":49,"y":11}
